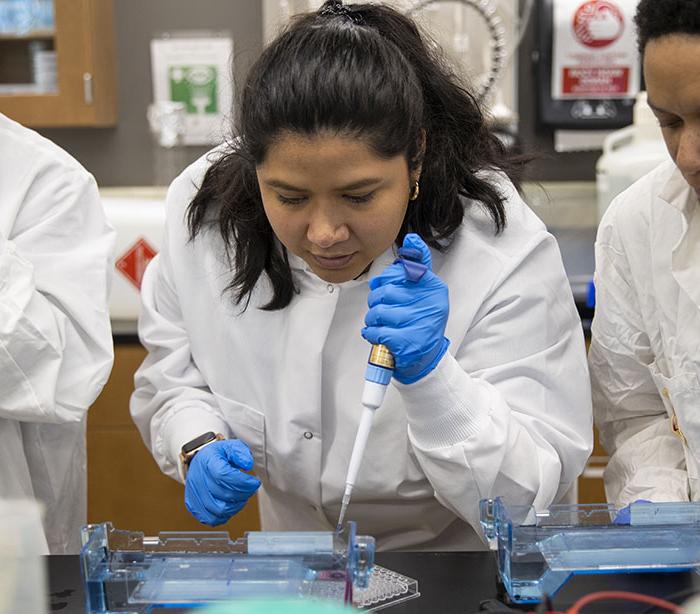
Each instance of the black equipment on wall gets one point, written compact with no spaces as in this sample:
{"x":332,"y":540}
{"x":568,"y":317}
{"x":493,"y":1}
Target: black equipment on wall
{"x":577,"y":113}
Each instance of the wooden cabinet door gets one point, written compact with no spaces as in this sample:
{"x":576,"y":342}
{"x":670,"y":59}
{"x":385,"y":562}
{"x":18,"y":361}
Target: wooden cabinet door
{"x":84,"y":44}
{"x":125,"y":485}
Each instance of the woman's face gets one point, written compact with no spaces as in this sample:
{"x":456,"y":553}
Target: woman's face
{"x":332,"y":201}
{"x":673,"y":85}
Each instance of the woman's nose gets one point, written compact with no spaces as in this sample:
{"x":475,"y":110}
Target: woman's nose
{"x":326,"y":229}
{"x":688,"y":153}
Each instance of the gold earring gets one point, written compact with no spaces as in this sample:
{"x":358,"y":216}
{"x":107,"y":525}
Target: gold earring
{"x":415,"y":191}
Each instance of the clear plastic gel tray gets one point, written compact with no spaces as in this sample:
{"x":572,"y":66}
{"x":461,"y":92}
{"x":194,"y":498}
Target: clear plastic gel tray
{"x":125,"y":572}
{"x":539,"y":551}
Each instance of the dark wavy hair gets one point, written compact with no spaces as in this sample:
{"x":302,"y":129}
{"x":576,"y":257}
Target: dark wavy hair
{"x":656,"y":18}
{"x":362,"y":70}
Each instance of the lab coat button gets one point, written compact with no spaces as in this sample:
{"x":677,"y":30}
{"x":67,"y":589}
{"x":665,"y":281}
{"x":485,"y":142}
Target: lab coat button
{"x":331,"y":288}
{"x":308,"y":435}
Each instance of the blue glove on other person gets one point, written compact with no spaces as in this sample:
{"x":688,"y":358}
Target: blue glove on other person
{"x":624,"y":516}
{"x":215,"y":487}
{"x":409,"y":317}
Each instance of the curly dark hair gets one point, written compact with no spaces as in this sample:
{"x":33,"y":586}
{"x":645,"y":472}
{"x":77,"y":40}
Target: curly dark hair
{"x":655,"y":18}
{"x":362,"y":70}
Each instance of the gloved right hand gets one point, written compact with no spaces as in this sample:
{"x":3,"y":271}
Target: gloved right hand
{"x":216,"y":488}
{"x":409,"y":315}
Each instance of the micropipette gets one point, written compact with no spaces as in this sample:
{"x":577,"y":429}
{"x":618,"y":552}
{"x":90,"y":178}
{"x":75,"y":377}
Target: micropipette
{"x":380,"y":368}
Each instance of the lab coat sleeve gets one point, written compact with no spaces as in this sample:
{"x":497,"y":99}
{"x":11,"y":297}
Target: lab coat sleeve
{"x":647,"y":460}
{"x":172,"y":403}
{"x":507,"y":412}
{"x":55,"y":268}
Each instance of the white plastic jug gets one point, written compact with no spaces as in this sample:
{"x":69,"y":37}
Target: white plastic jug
{"x":23,"y":586}
{"x":629,"y":154}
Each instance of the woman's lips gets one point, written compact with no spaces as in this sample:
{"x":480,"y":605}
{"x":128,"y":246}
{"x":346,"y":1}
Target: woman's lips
{"x":333,"y":262}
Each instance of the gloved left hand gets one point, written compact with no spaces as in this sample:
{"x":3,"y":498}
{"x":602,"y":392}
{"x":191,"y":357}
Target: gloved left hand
{"x":217,"y":486}
{"x":409,"y":317}
{"x":624,"y":515}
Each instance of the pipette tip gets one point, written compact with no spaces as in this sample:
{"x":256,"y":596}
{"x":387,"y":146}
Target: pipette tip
{"x":343,"y":508}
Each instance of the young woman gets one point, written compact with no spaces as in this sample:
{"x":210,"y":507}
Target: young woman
{"x":354,"y":140}
{"x":644,"y":359}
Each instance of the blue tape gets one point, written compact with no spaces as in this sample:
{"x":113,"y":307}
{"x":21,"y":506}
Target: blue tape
{"x":411,"y":253}
{"x":410,"y":258}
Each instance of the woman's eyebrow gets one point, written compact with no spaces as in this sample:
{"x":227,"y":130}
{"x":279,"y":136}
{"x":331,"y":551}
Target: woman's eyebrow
{"x":362,"y":183}
{"x":355,"y":185}
{"x":276,"y":183}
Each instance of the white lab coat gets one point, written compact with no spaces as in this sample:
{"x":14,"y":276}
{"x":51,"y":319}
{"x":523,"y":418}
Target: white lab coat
{"x":55,"y":339}
{"x":645,"y":350}
{"x":507,"y":411}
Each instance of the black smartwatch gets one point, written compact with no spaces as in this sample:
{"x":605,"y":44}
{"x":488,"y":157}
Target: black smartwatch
{"x":193,"y":446}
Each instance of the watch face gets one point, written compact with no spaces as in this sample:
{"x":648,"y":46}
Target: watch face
{"x":198,"y":442}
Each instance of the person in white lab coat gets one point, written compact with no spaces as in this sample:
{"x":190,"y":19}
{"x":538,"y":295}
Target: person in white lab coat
{"x":55,"y":338}
{"x":645,"y":349}
{"x":352,"y":137}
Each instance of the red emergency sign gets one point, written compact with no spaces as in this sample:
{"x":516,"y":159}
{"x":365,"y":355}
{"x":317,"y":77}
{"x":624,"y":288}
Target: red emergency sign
{"x":592,"y":80}
{"x":133,"y":262}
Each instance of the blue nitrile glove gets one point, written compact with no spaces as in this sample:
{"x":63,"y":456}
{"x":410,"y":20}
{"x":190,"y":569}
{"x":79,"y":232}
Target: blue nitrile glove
{"x":623,"y":516}
{"x":409,"y":317}
{"x":216,"y":488}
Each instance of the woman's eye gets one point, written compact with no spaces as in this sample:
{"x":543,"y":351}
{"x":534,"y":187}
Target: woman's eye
{"x":291,"y":200}
{"x":359,"y":198}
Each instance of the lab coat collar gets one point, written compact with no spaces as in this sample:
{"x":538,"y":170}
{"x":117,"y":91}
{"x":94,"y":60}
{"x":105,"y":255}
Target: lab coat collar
{"x":299,"y":265}
{"x":686,"y":253}
{"x":677,"y":193}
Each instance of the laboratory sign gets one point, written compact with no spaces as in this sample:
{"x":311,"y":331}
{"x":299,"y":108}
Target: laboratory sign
{"x":594,"y":49}
{"x":194,"y":69}
{"x":133,"y":262}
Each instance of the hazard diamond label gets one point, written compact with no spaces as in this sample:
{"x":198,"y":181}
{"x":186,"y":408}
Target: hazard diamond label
{"x":133,"y":262}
